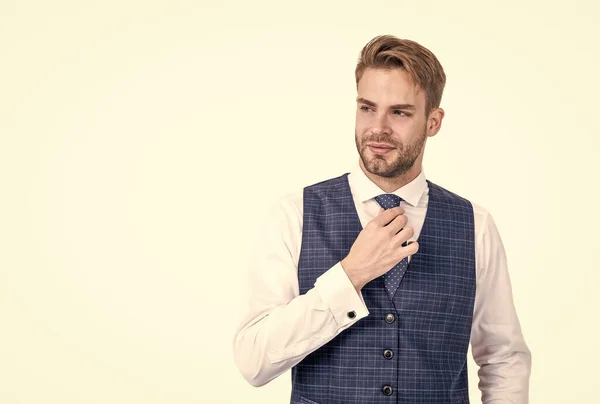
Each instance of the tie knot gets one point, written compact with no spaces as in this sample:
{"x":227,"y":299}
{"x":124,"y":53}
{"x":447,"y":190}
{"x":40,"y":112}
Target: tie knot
{"x":388,"y":201}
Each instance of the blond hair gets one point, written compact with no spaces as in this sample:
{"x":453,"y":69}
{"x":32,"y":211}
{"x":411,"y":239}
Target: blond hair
{"x":388,"y":52}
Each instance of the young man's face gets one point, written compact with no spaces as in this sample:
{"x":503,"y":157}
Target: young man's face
{"x":390,"y":113}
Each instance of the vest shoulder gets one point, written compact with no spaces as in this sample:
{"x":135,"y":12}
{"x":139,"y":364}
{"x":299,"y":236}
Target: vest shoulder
{"x":447,"y":194}
{"x":328,"y":183}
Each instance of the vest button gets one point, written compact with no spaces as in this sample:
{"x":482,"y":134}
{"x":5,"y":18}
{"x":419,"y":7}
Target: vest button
{"x":387,"y":390}
{"x":351,"y":314}
{"x":388,"y":354}
{"x":389,"y":318}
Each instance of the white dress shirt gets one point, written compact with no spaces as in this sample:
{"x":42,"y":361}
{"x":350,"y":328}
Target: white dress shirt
{"x":278,"y":327}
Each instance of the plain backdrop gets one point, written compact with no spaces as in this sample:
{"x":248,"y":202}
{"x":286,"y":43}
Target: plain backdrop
{"x":142,"y":143}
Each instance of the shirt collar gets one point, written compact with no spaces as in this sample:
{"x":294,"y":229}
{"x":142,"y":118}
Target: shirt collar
{"x":364,"y":189}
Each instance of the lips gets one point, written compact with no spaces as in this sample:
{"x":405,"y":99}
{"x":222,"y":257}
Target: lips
{"x":380,"y":148}
{"x":380,"y":145}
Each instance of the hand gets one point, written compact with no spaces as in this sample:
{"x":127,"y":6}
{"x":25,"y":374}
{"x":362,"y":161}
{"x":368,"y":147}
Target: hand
{"x":378,"y":247}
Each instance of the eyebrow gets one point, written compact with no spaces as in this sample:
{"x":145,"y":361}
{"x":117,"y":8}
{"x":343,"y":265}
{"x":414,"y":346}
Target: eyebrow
{"x":396,"y":106}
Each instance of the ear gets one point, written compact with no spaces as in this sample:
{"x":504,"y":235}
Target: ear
{"x":434,"y":122}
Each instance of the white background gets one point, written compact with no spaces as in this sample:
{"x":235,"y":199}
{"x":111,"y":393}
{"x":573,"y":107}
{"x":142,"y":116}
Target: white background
{"x":142,"y":143}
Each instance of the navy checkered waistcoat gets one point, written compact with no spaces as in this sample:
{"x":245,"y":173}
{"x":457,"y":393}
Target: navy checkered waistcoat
{"x":429,"y":328}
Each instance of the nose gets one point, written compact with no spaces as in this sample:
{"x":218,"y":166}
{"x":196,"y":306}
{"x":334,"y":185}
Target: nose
{"x":380,"y":124}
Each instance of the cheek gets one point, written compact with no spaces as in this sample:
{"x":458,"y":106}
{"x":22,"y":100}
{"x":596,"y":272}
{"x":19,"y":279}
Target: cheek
{"x":362,"y":125}
{"x":407,"y":128}
{"x":362,"y":118}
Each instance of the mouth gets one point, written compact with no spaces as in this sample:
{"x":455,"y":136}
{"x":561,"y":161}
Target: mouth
{"x":380,"y":148}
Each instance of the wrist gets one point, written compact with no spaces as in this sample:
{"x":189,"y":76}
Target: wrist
{"x":352,"y":274}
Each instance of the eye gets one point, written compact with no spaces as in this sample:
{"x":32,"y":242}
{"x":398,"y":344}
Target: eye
{"x":399,"y":112}
{"x":364,"y":108}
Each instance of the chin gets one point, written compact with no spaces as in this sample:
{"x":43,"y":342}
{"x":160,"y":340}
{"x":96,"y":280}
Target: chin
{"x":377,"y":165}
{"x":381,"y":158}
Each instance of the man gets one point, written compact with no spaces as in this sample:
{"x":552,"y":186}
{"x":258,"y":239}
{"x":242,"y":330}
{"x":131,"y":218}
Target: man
{"x":340,"y":290}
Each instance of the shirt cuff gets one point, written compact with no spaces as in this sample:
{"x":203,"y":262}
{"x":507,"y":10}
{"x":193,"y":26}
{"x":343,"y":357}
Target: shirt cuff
{"x":338,"y":293}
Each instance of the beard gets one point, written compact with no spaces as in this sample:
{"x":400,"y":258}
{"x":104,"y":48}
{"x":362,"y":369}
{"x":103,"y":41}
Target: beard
{"x":406,"y":155}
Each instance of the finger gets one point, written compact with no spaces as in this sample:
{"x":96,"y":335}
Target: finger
{"x":397,"y":223}
{"x":384,"y":217}
{"x":391,"y":214}
{"x":412,"y":247}
{"x":404,"y":235}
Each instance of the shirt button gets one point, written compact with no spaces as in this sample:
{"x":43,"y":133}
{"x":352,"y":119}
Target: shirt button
{"x":389,"y":318}
{"x":351,"y":314}
{"x":388,"y":354}
{"x":387,"y":390}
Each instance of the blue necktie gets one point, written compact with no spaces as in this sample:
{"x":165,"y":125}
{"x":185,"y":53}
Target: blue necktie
{"x":393,"y":277}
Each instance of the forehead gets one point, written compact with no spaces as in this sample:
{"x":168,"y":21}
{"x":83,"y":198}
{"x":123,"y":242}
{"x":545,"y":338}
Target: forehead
{"x":389,"y":87}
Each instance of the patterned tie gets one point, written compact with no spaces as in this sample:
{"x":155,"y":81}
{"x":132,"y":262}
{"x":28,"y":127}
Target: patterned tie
{"x":393,"y":277}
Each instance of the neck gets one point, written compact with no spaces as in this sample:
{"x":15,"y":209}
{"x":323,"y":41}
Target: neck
{"x":391,"y":184}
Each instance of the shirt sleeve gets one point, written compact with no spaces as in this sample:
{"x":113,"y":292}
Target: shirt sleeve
{"x":278,"y":327}
{"x":497,"y":341}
